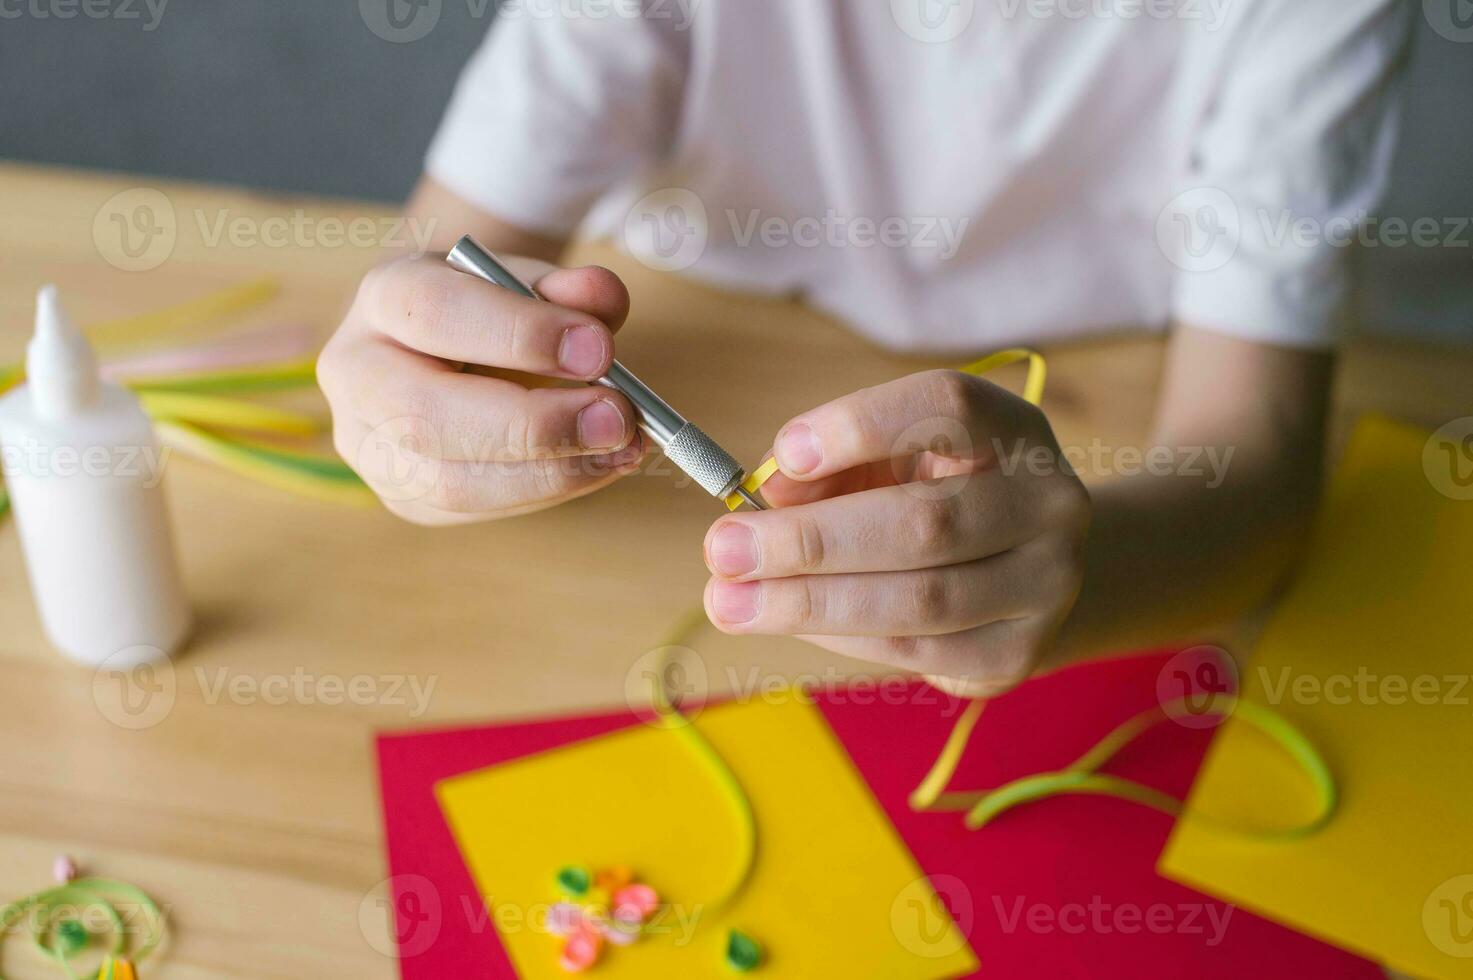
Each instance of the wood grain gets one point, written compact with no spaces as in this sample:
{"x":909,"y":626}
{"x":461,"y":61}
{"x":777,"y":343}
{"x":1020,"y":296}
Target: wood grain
{"x":257,"y":822}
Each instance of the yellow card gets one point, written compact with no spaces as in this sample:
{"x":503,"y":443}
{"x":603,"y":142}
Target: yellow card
{"x":834,"y":892}
{"x":1369,"y":655}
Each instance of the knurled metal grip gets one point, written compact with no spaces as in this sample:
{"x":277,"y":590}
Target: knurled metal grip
{"x":704,"y":461}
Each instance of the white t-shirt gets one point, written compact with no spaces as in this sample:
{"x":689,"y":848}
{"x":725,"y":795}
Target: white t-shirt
{"x":949,"y":175}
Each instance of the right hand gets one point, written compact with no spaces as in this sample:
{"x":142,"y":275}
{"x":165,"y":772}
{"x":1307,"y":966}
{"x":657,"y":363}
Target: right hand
{"x":444,"y":446}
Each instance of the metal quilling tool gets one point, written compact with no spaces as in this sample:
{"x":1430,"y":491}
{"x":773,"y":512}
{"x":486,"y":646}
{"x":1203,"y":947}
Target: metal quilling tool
{"x":696,"y":453}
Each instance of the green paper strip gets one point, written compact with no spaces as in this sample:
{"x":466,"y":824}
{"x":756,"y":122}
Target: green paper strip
{"x":271,"y":377}
{"x":574,"y":881}
{"x":742,"y":952}
{"x":319,"y":476}
{"x":103,"y":894}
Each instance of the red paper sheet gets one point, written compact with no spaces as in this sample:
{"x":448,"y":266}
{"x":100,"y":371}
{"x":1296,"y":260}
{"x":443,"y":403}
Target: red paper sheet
{"x":1061,"y":888}
{"x":441,"y":924}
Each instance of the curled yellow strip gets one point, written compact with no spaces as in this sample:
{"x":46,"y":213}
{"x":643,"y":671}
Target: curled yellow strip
{"x":730,"y":784}
{"x":1037,"y":369}
{"x":1032,"y":391}
{"x":924,"y":796}
{"x":1083,"y":776}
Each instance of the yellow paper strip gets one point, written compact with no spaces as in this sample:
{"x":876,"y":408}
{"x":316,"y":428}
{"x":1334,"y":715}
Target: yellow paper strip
{"x":227,"y":413}
{"x":185,"y":316}
{"x":242,"y":460}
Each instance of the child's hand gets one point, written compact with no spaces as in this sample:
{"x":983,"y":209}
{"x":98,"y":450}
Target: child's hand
{"x":440,"y":446}
{"x":966,"y":576}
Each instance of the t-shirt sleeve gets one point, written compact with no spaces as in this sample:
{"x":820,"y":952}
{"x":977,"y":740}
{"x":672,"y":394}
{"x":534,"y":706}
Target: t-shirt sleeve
{"x":1292,"y":153}
{"x":555,"y":110}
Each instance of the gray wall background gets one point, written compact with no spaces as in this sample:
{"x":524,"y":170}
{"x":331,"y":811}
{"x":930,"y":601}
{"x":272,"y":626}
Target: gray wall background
{"x":295,"y":95}
{"x":309,"y":95}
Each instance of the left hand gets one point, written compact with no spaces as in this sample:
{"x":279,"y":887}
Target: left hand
{"x":929,"y":523}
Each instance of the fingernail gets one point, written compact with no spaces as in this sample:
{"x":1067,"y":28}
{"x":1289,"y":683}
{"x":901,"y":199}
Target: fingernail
{"x":629,"y":455}
{"x":736,"y":602}
{"x":582,"y":350}
{"x":601,"y":426}
{"x":733,"y":550}
{"x":798,"y":450}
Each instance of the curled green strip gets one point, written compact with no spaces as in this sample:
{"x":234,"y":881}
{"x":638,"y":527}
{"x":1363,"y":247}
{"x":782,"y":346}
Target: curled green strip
{"x":1082,"y":775}
{"x":47,"y":910}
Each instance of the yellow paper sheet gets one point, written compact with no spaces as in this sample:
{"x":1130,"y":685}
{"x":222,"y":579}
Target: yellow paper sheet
{"x":1369,"y":654}
{"x":834,"y":892}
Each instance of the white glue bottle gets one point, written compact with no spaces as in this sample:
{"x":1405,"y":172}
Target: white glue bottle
{"x":83,"y":467}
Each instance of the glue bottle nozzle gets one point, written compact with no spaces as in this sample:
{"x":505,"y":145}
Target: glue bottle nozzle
{"x":61,"y":370}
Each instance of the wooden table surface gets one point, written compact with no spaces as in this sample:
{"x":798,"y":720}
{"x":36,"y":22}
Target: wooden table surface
{"x":257,"y":823}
